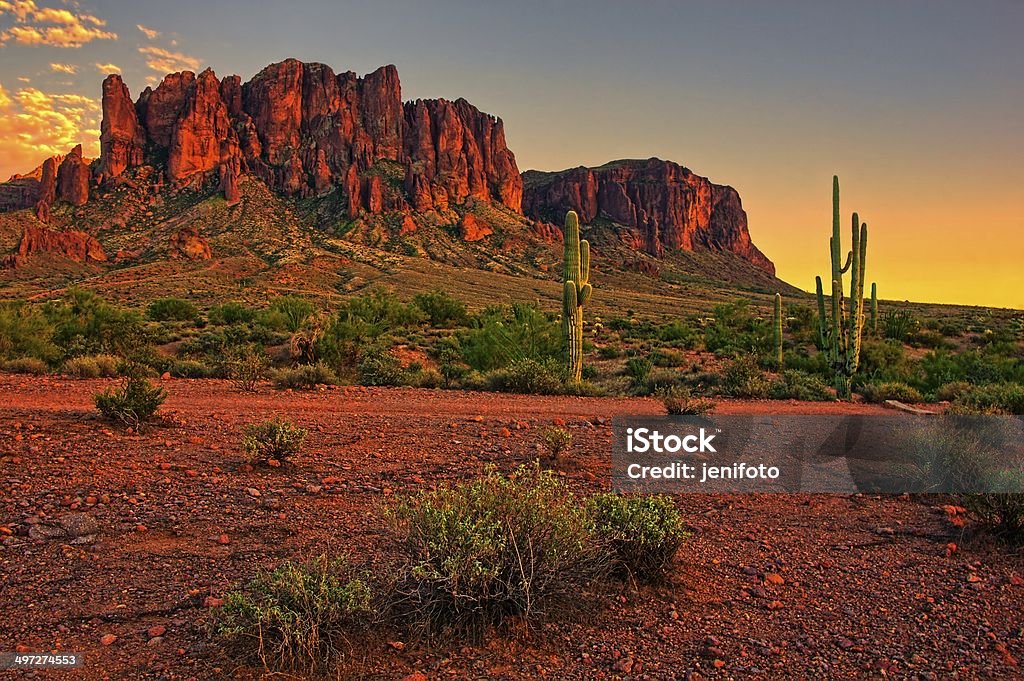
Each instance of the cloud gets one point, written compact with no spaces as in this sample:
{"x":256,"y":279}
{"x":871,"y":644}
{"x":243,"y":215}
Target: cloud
{"x":69,"y":69}
{"x":165,"y":61}
{"x":150,"y":33}
{"x":108,"y":68}
{"x":24,"y":79}
{"x":35,"y":125}
{"x":56,"y":27}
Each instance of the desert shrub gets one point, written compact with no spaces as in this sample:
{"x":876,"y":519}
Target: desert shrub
{"x":171,"y":310}
{"x":992,"y":364}
{"x":644,"y":532}
{"x":927,"y":338}
{"x":556,"y":441}
{"x":952,"y":390}
{"x":245,"y":367}
{"x":304,"y":377}
{"x":134,"y":403}
{"x":797,"y":385}
{"x":736,"y":331}
{"x":502,"y":335}
{"x":449,"y":361}
{"x":680,"y":401}
{"x":494,"y":548}
{"x":998,"y":398}
{"x":292,"y":310}
{"x":191,"y":368}
{"x":26,"y":332}
{"x":26,"y":365}
{"x":378,"y":366}
{"x":85,"y":324}
{"x":663,"y":357}
{"x":890,"y":390}
{"x":742,"y":377}
{"x":884,"y":360}
{"x":609,"y":352}
{"x":230,"y":313}
{"x":1002,"y":512}
{"x":275,"y":439}
{"x":93,"y":366}
{"x":359,"y":323}
{"x":527,"y":376}
{"x":680,"y":335}
{"x":639,"y":370}
{"x":299,"y":616}
{"x":897,"y":324}
{"x":441,"y":309}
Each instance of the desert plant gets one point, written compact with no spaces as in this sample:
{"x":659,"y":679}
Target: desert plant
{"x":293,"y":309}
{"x":299,"y":616}
{"x":245,"y":367}
{"x":997,"y":398}
{"x":442,"y":310}
{"x":377,"y":366}
{"x":528,"y":377}
{"x":231,"y":313}
{"x":840,"y":336}
{"x":556,"y":441}
{"x":171,"y":310}
{"x":744,"y":378}
{"x":26,"y":365}
{"x":777,"y":355}
{"x":497,"y":547}
{"x":898,"y":324}
{"x":680,"y":401}
{"x":890,"y":390}
{"x":1002,"y":512}
{"x":644,"y":532}
{"x":797,"y":385}
{"x":134,"y":403}
{"x":874,"y":309}
{"x":639,"y":370}
{"x":576,"y":292}
{"x":26,"y":332}
{"x":273,"y":440}
{"x":304,"y":377}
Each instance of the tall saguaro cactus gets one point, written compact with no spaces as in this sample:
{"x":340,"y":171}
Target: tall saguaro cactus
{"x":874,"y":309}
{"x":777,"y":326}
{"x":840,"y":335}
{"x":576,"y":290}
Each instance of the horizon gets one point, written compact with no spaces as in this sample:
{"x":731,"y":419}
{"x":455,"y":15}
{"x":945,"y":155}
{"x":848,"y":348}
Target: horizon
{"x":925,"y":143}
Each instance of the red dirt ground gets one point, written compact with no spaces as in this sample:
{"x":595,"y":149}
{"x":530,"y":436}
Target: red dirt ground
{"x":797,"y":586}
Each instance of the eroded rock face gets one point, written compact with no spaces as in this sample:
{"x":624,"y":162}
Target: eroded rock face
{"x":666,"y":206}
{"x":122,"y":138}
{"x":473,"y":228}
{"x":305,"y":130}
{"x":187,"y":243}
{"x":73,"y":244}
{"x":73,"y":178}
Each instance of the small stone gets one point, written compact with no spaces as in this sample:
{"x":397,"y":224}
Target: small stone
{"x":273,"y":463}
{"x":156,"y":630}
{"x":166,"y":376}
{"x":252,"y":491}
{"x":107,"y":639}
{"x":212,"y":602}
{"x":223,"y":539}
{"x":774,"y":578}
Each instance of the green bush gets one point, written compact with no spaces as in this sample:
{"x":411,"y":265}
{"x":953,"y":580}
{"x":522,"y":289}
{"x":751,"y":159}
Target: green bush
{"x":191,"y":368}
{"x":93,"y":366}
{"x":679,"y":401}
{"x":736,"y":331}
{"x":26,"y":365}
{"x":298,"y":617}
{"x":880,"y":392}
{"x":293,"y":310}
{"x":246,"y":366}
{"x":797,"y":385}
{"x":744,"y":378}
{"x":276,"y":439}
{"x":898,"y":324}
{"x":502,"y":335}
{"x":441,"y":309}
{"x":527,"y":376}
{"x":496,"y":547}
{"x":378,"y":366}
{"x":644,"y":532}
{"x":680,"y":335}
{"x":998,"y":398}
{"x":171,"y":310}
{"x":85,"y":324}
{"x":1002,"y":512}
{"x":639,"y":370}
{"x":556,"y":441}
{"x":134,"y":403}
{"x":26,"y":332}
{"x":231,"y":313}
{"x":304,"y":377}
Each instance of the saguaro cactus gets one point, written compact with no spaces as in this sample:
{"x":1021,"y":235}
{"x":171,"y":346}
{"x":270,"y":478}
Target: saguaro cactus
{"x":874,"y":309}
{"x":777,"y":325}
{"x":841,"y":335}
{"x":576,"y":290}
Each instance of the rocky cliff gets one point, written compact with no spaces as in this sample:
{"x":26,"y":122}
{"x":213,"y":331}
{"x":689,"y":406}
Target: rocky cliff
{"x":663,"y":205}
{"x":305,"y":130}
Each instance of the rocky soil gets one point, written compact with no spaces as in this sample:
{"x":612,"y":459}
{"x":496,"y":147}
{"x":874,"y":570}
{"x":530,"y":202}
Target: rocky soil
{"x":120,"y":545}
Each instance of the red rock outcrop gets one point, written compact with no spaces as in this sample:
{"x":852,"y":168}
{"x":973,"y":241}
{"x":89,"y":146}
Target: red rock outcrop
{"x":305,"y":130}
{"x":665,"y":205}
{"x":187,"y":243}
{"x":73,"y":244}
{"x":73,"y":178}
{"x":473,"y":228}
{"x":122,"y":138}
{"x":47,"y":190}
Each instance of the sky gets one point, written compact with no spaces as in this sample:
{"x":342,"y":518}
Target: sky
{"x":917,"y":105}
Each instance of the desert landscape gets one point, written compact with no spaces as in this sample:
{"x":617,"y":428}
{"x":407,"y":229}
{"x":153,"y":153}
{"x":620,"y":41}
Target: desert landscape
{"x":307,"y":377}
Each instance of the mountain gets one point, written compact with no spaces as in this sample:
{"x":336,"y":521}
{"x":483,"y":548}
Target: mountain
{"x":655,"y":205}
{"x":301,"y":165}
